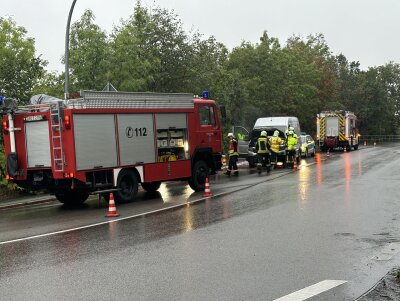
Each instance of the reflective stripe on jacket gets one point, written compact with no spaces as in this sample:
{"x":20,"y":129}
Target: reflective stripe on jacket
{"x":262,"y":145}
{"x":233,"y":148}
{"x":275,"y":142}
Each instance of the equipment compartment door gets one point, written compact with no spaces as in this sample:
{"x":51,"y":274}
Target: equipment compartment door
{"x":136,"y":139}
{"x":95,"y":143}
{"x":38,"y":144}
{"x":332,"y":126}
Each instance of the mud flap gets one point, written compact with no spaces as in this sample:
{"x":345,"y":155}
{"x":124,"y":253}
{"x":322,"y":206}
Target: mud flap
{"x":12,"y":165}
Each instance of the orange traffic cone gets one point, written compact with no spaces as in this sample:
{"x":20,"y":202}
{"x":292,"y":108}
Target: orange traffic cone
{"x":328,"y":155}
{"x":294,"y":164}
{"x":365,"y":142}
{"x":207,"y":190}
{"x":224,"y":166}
{"x":344,"y":149}
{"x":112,"y":210}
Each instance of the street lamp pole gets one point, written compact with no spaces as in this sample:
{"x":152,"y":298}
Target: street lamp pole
{"x":66,"y":58}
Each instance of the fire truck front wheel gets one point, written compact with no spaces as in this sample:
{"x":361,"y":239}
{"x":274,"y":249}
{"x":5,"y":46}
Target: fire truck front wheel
{"x":127,"y":184}
{"x":200,"y":172}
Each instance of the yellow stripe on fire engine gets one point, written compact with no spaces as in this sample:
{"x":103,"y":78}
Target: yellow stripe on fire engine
{"x":342,"y":136}
{"x":322,"y":128}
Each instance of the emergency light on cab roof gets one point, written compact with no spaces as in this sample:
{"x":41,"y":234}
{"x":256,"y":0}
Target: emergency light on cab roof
{"x":205,"y":94}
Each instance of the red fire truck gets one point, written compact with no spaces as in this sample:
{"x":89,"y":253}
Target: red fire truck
{"x":111,"y":140}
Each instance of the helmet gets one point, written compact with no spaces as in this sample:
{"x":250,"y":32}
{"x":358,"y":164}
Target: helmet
{"x":291,"y":128}
{"x":264,"y":133}
{"x":230,"y":135}
{"x":276,"y":133}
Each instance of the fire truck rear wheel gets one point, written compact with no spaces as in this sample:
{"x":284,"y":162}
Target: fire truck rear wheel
{"x":72,"y":197}
{"x":151,"y":187}
{"x":200,"y":172}
{"x":128,"y":185}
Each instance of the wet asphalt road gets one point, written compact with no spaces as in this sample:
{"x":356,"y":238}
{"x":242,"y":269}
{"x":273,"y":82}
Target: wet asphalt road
{"x":273,"y":235}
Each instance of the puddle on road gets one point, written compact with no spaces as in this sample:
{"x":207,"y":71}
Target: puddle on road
{"x":387,"y":252}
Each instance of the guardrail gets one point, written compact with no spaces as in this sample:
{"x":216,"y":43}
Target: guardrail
{"x":380,"y":138}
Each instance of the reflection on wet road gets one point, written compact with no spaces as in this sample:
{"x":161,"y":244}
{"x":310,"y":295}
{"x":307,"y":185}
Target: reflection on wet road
{"x":282,"y":233}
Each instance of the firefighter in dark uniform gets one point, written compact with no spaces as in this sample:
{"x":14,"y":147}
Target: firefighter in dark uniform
{"x":233,"y":156}
{"x":263,"y":152}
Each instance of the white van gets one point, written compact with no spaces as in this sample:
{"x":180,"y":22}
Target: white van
{"x":281,"y":123}
{"x":247,"y":143}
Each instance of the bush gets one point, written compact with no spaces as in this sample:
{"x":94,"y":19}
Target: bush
{"x":5,"y":186}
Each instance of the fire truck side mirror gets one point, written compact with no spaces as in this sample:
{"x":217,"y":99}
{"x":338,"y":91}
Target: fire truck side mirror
{"x":223,"y":113}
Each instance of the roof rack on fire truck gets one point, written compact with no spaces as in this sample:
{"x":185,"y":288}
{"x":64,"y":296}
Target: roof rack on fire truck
{"x":116,"y":100}
{"x":131,"y":100}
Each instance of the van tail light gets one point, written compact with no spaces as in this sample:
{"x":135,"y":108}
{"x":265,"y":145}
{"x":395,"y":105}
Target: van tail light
{"x":5,"y":127}
{"x":67,"y":122}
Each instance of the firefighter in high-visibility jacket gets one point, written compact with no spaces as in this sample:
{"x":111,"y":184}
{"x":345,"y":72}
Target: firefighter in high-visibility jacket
{"x":291,"y":146}
{"x":233,"y":156}
{"x":263,"y":152}
{"x":275,"y":141}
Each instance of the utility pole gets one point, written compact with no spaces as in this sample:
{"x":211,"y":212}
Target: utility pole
{"x":66,"y":57}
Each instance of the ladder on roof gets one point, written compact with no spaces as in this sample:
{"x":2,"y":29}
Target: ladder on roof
{"x":56,"y":124}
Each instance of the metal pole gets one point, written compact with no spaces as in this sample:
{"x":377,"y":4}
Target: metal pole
{"x":66,"y":88}
{"x":12,"y":132}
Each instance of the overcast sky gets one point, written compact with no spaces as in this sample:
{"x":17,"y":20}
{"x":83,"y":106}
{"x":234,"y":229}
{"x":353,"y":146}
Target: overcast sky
{"x":363,"y":30}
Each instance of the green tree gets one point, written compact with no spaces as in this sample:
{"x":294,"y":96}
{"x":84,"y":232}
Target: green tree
{"x":19,"y":65}
{"x":208,"y":60}
{"x":171,"y":45}
{"x":134,"y":60}
{"x":89,"y":54}
{"x":51,"y":83}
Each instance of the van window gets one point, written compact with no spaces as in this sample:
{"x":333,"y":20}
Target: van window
{"x":294,"y":122}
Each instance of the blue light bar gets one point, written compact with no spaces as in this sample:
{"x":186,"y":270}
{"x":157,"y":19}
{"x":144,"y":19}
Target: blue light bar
{"x":205,"y":94}
{"x":1,"y":99}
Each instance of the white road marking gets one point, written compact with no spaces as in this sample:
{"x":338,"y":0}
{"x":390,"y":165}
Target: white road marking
{"x":312,"y":291}
{"x":111,"y":221}
{"x":136,"y":215}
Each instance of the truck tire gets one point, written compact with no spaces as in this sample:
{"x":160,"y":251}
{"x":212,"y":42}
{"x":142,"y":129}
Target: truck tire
{"x":72,"y":197}
{"x":151,"y":186}
{"x":127,"y":184}
{"x":200,"y":172}
{"x":356,"y":147}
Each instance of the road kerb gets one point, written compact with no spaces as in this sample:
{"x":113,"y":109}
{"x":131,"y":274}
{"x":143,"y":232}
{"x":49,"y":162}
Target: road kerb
{"x":22,"y":203}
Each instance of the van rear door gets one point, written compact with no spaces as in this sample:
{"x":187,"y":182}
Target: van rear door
{"x":242,"y":136}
